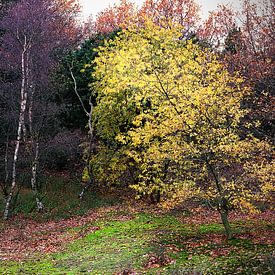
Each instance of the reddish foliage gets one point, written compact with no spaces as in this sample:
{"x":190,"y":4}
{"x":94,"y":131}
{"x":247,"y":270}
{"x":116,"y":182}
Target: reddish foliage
{"x":67,"y":24}
{"x":249,"y":35}
{"x":217,"y":26}
{"x":115,"y":17}
{"x":184,"y":12}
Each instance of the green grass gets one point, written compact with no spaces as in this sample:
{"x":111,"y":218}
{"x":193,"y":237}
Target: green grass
{"x":60,"y":198}
{"x":124,"y":245}
{"x":130,"y":244}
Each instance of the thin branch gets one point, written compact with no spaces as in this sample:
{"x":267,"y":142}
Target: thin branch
{"x":76,"y":92}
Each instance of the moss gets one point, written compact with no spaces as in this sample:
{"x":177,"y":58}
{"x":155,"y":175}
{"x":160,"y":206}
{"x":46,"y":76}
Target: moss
{"x":211,"y":228}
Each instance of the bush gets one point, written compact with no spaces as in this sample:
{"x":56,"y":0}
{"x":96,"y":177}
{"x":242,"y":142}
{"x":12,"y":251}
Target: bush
{"x":62,"y":151}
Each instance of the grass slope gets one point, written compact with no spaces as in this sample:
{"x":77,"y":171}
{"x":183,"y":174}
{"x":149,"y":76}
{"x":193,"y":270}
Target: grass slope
{"x":150,"y":244}
{"x":136,"y":240}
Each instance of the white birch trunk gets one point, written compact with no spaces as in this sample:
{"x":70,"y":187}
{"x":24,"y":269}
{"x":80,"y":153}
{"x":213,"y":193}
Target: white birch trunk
{"x":26,"y":71}
{"x":33,"y":137}
{"x":91,"y":149}
{"x":21,"y":121}
{"x":35,"y":163}
{"x":89,"y":115}
{"x":34,"y":145}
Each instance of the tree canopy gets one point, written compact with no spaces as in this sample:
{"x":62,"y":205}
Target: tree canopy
{"x":169,"y":115}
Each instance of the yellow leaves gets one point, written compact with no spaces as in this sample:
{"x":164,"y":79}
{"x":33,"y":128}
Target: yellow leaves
{"x":138,"y":120}
{"x":121,"y":138}
{"x":263,"y":172}
{"x":189,"y":46}
{"x":246,"y":206}
{"x":85,"y":175}
{"x":135,"y":139}
{"x":183,"y":191}
{"x":170,"y":109}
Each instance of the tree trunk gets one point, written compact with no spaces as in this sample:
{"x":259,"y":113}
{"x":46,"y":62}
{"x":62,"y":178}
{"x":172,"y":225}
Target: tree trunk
{"x":7,"y":210}
{"x":85,"y":188}
{"x":90,"y":151}
{"x":89,"y":114}
{"x":39,"y":204}
{"x":222,"y":201}
{"x":15,"y":157}
{"x":224,"y":217}
{"x":34,"y":141}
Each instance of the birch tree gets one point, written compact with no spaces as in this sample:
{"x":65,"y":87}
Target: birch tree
{"x":33,"y":31}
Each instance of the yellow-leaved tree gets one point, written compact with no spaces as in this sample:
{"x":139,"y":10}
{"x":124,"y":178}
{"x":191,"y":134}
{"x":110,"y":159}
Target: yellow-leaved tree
{"x":168,"y":118}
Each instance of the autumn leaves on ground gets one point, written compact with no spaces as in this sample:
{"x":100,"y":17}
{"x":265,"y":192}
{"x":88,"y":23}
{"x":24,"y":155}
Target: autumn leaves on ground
{"x":119,"y":236}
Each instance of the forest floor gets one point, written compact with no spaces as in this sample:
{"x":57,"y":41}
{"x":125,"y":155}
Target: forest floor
{"x":107,"y":235}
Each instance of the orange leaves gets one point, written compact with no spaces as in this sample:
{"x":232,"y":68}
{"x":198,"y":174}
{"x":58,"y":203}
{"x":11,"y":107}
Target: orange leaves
{"x":183,"y":12}
{"x":113,"y":18}
{"x":218,"y":24}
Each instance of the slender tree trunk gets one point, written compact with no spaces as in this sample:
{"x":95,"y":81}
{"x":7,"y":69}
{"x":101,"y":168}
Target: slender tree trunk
{"x":222,"y":203}
{"x":15,"y":158}
{"x":90,"y":151}
{"x":26,"y":83}
{"x":35,"y":163}
{"x":7,"y":210}
{"x":24,"y":132}
{"x":89,"y":114}
{"x":34,"y":143}
{"x":224,"y":218}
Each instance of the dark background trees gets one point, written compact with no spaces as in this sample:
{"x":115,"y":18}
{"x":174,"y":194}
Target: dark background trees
{"x":35,"y":36}
{"x":72,"y":115}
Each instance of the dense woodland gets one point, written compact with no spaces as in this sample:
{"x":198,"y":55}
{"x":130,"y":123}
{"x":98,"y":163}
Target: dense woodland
{"x":169,"y":109}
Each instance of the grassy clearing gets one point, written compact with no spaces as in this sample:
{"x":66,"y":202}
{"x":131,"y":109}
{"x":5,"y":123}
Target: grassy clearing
{"x":136,"y":239}
{"x":151,"y":244}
